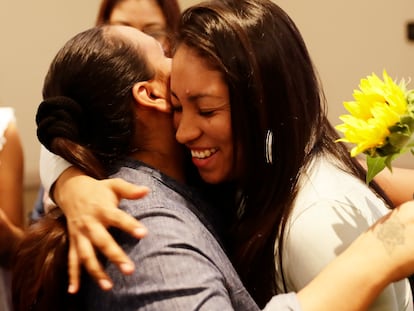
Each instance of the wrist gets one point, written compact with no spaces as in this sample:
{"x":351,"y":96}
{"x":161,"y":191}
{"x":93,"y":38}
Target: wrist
{"x":57,"y":193}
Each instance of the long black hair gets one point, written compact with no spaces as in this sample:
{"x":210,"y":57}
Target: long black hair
{"x":87,"y":117}
{"x":273,"y":88}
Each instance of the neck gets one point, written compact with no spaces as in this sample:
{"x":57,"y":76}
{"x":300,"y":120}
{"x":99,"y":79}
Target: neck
{"x":169,"y":163}
{"x":156,"y":143}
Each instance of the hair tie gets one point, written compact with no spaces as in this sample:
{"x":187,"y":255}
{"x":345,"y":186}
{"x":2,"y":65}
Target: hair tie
{"x":58,"y":116}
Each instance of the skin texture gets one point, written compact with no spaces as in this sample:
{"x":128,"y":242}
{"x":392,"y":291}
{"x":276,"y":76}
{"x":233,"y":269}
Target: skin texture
{"x":397,"y":184}
{"x":202,"y":115}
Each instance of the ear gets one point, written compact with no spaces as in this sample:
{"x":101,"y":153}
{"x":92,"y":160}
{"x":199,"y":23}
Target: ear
{"x":151,"y":95}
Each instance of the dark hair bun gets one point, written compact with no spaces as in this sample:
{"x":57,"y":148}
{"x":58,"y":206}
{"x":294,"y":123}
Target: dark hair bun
{"x":59,"y":116}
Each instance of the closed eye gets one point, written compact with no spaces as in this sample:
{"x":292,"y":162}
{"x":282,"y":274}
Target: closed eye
{"x":206,"y":113}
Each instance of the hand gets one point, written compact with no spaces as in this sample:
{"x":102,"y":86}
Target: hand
{"x":90,"y":207}
{"x":10,"y":237}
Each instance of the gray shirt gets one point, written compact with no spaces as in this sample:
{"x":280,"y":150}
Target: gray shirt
{"x":180,"y":264}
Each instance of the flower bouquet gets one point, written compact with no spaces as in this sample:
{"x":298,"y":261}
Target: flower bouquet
{"x":380,"y":123}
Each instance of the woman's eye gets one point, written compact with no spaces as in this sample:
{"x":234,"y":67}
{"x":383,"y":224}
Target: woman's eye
{"x":206,"y":113}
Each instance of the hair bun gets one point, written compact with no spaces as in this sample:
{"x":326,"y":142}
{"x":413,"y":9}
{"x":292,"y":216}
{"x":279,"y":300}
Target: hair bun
{"x":59,"y":116}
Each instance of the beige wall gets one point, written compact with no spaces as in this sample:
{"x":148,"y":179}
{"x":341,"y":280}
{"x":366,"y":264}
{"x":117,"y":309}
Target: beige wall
{"x":347,"y":40}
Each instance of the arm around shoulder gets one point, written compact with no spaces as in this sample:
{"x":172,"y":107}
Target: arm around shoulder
{"x":176,"y":270}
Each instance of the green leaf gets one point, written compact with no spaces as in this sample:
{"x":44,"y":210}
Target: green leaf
{"x":375,"y":165}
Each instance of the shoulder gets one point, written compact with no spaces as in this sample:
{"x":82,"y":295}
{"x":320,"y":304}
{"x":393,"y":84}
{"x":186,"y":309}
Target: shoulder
{"x":174,"y":223}
{"x":327,"y":189}
{"x":179,"y":266}
{"x":332,"y":208}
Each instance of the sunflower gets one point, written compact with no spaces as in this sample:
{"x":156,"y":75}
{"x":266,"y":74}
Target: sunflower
{"x":380,"y":121}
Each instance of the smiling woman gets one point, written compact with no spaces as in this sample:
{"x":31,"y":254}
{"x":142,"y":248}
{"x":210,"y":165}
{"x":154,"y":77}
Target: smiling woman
{"x":288,"y":192}
{"x":202,"y":115}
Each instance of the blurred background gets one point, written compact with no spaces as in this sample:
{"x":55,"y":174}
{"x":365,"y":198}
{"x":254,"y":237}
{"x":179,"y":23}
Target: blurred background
{"x":347,"y":41}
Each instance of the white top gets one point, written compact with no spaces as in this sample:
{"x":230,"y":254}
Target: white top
{"x":332,"y":208}
{"x":6,"y":117}
{"x":51,"y":166}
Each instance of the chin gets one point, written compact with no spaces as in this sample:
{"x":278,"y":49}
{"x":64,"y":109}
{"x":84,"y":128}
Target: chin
{"x":212,"y":179}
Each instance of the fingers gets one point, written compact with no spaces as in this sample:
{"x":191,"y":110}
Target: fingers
{"x":111,"y":250}
{"x":94,"y":236}
{"x":126,"y":190}
{"x":119,"y":219}
{"x":90,"y":207}
{"x":74,"y":273}
{"x":82,"y":252}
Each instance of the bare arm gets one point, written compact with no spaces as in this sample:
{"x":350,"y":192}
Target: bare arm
{"x":10,"y":237}
{"x":381,"y":255}
{"x":11,"y":176}
{"x":398,"y":184}
{"x":11,"y":189}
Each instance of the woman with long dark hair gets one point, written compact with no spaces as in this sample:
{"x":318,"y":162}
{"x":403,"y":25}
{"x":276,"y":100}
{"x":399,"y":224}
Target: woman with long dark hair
{"x":248,"y":105}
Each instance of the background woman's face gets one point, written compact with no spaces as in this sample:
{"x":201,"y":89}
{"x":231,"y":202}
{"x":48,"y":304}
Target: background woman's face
{"x":201,"y":107}
{"x":145,"y":15}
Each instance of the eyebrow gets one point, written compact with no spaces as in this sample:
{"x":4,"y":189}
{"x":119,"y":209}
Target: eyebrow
{"x":195,"y":97}
{"x":122,"y":23}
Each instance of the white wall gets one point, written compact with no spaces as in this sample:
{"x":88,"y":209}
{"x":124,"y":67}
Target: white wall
{"x":351,"y":39}
{"x":31,"y":33}
{"x":347,"y":40}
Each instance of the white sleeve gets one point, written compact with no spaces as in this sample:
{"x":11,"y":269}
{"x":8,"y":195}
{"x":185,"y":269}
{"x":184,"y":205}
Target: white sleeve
{"x":51,"y":167}
{"x":283,"y":302}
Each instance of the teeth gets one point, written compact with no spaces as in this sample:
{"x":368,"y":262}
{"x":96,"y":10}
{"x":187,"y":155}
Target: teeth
{"x":203,"y":154}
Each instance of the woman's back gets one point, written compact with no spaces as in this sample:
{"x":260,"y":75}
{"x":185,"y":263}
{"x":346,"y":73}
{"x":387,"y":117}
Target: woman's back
{"x":331,"y":210}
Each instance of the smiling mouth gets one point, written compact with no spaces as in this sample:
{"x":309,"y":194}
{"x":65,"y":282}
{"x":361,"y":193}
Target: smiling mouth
{"x":203,"y":154}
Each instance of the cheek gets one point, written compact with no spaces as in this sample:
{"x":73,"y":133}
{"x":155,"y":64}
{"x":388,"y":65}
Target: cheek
{"x":225,"y":130}
{"x":176,"y":120}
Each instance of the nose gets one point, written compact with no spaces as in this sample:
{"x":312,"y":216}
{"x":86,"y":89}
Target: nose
{"x":187,"y":129}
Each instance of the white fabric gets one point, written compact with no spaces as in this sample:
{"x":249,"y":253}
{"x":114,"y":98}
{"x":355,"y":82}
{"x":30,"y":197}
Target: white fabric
{"x":332,"y":208}
{"x":6,"y":117}
{"x":285,"y":302}
{"x":51,"y":167}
